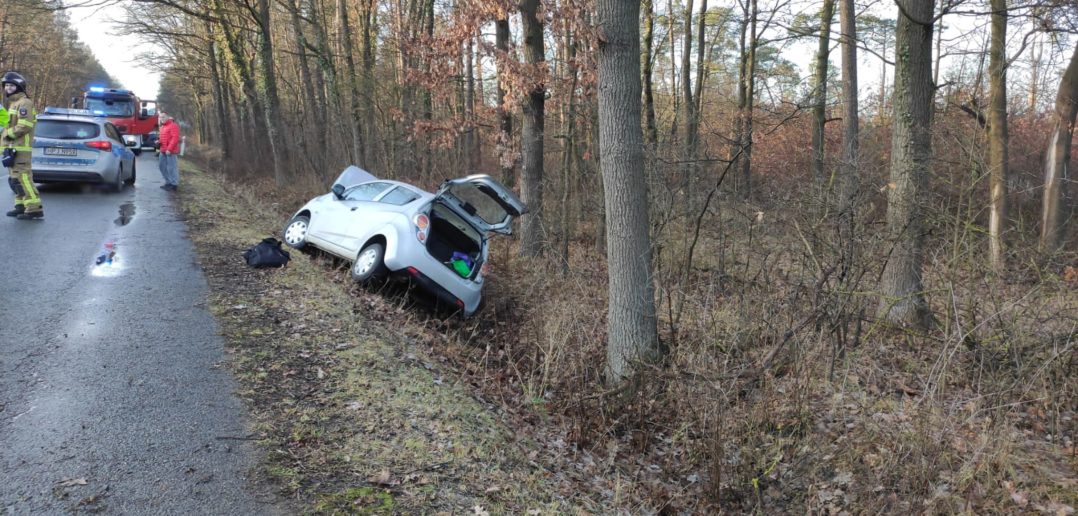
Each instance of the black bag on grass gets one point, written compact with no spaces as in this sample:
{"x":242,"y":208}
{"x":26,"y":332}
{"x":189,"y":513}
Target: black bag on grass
{"x":267,"y":253}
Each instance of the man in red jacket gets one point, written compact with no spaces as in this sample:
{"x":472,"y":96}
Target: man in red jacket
{"x":169,"y":136}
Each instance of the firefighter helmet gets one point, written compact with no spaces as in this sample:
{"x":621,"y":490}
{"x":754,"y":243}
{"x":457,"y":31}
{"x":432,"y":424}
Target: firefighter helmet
{"x":16,"y":79}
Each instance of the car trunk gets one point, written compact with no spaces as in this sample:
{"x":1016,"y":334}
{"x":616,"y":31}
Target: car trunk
{"x":448,"y":242}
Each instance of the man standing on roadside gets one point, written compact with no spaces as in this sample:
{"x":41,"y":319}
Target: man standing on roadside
{"x":167,"y":162}
{"x":15,"y":141}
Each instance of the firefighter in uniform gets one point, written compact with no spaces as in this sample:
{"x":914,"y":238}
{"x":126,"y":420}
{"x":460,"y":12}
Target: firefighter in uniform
{"x":15,"y":139}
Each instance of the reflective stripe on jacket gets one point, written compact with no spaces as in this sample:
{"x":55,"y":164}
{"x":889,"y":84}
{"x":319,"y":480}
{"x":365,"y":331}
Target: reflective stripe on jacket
{"x":20,"y":126}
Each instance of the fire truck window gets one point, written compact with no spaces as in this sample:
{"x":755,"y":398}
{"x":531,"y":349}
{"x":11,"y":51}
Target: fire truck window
{"x":111,"y":107}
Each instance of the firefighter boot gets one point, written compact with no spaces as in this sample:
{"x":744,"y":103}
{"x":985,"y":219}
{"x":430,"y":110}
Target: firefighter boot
{"x":30,"y":215}
{"x":17,"y":211}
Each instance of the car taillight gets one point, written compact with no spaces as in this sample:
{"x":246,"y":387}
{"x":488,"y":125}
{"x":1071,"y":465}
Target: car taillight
{"x":422,"y":224}
{"x":105,"y":146}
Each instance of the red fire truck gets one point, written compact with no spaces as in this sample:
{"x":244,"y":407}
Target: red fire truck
{"x":135,"y":118}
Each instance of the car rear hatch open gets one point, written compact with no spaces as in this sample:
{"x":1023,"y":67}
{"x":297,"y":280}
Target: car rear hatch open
{"x":485,"y":202}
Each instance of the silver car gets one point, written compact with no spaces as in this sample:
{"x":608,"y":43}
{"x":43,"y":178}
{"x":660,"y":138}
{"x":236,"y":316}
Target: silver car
{"x":438,"y":241}
{"x":73,"y":145}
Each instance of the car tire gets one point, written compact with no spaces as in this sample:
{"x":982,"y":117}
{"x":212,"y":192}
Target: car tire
{"x":118,"y":184}
{"x":369,"y":265}
{"x":134,"y":170}
{"x":295,"y":232}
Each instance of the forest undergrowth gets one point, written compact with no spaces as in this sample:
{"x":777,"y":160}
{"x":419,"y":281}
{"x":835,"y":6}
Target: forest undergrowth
{"x":780,"y":391}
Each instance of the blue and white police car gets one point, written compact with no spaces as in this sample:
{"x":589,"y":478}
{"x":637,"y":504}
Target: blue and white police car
{"x":75,"y":145}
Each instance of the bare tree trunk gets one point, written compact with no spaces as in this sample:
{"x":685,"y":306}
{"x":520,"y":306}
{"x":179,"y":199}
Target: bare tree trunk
{"x":1057,"y":172}
{"x":750,"y":95}
{"x":344,"y":32}
{"x":1035,"y":73}
{"x":470,"y":141}
{"x":819,"y":110}
{"x":223,"y":120}
{"x":997,"y":135}
{"x":851,"y":130}
{"x":269,"y":92}
{"x":632,"y":332}
{"x":310,"y":103}
{"x":651,"y":134}
{"x":671,"y":30}
{"x":505,"y":118}
{"x":569,"y":122}
{"x":686,"y":100}
{"x":902,"y":293}
{"x":531,"y":230}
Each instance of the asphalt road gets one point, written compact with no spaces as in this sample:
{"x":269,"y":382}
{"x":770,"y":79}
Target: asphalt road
{"x":114,"y":397}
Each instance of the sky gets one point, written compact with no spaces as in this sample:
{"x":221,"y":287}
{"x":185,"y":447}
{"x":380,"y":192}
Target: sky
{"x":116,"y":53}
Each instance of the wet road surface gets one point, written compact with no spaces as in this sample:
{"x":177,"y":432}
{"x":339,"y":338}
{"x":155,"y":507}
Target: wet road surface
{"x":114,"y":397}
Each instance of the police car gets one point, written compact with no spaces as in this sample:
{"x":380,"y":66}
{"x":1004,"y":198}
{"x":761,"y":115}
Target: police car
{"x":74,"y":145}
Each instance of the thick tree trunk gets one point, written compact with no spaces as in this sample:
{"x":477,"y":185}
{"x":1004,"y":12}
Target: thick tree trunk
{"x":632,"y":334}
{"x":269,"y":93}
{"x":1057,"y":162}
{"x":344,"y":33}
{"x":506,"y":159}
{"x":851,"y":132}
{"x":224,"y":123}
{"x":531,"y":227}
{"x":819,"y":109}
{"x":651,"y":131}
{"x":901,"y":288}
{"x":316,"y":151}
{"x":997,"y":135}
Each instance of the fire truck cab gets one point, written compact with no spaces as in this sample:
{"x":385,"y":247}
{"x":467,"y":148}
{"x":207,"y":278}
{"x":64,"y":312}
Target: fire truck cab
{"x":135,"y":118}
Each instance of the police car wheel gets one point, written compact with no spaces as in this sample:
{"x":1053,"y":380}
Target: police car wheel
{"x":131,"y":180}
{"x":118,"y":184}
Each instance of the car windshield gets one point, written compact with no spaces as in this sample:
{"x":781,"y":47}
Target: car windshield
{"x":66,"y":130}
{"x":478,"y":203}
{"x":111,"y":107}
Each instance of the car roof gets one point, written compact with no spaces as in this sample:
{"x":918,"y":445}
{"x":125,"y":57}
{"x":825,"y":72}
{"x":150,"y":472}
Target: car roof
{"x":78,"y":115}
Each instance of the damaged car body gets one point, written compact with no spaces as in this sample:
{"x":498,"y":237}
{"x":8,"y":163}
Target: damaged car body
{"x":438,"y":241}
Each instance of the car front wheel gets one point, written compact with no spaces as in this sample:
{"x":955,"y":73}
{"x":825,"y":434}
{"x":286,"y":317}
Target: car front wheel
{"x":295,"y":233}
{"x":369,"y":265}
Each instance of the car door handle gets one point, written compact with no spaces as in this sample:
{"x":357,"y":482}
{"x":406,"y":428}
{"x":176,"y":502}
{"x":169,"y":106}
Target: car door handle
{"x":354,"y":208}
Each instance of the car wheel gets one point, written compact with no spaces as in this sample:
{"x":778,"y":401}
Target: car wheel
{"x":295,"y":233}
{"x":369,"y":265}
{"x":118,"y":184}
{"x":131,"y":180}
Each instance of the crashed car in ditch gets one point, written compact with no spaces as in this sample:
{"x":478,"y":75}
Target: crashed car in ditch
{"x":439,"y":241}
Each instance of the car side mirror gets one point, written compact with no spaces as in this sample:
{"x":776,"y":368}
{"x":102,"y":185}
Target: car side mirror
{"x":144,"y":114}
{"x":338,"y":191}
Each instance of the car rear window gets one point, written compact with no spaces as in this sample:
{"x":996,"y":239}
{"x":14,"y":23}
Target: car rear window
{"x":399,"y":196}
{"x":478,"y":203}
{"x":66,"y":130}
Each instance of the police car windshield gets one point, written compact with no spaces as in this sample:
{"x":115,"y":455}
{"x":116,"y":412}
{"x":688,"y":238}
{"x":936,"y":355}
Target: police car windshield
{"x":111,"y":107}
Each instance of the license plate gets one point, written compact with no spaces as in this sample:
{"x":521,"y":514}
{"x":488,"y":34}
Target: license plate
{"x":60,"y":151}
